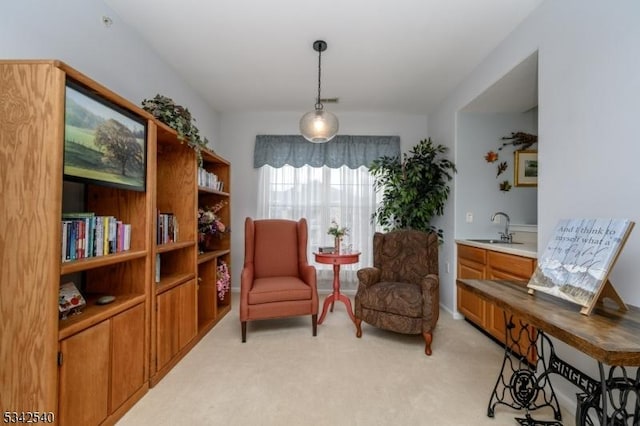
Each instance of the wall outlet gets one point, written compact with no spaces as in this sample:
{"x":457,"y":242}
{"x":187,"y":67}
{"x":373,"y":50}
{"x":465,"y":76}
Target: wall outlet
{"x":496,"y":219}
{"x":469,"y":217}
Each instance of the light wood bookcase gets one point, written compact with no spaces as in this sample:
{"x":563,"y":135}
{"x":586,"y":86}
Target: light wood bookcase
{"x":212,"y":308}
{"x":184,"y":301}
{"x":93,"y":367}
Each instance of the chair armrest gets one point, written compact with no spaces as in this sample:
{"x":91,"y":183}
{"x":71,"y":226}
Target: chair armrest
{"x":369,"y":276}
{"x":308,"y":275}
{"x":246,"y":282}
{"x":431,"y":300}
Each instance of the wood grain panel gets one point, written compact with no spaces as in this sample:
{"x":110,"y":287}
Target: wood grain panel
{"x":473,"y":254}
{"x":31,"y":136}
{"x":176,"y":187}
{"x":206,"y":292}
{"x":512,"y":265}
{"x":84,"y":376}
{"x":167,"y":318}
{"x":607,"y":335}
{"x":188,"y":326}
{"x":127,"y":355}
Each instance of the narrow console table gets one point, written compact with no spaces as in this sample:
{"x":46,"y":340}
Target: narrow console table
{"x":609,"y":336}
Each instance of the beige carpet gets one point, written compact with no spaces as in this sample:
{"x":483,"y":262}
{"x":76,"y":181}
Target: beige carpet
{"x":284,"y":376}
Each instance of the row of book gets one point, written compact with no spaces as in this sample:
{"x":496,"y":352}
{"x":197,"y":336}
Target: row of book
{"x":209,"y":180}
{"x":167,"y":228}
{"x":86,"y":235}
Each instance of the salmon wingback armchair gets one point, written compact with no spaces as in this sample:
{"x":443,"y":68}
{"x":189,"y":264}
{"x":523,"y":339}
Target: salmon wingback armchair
{"x":401,"y":291}
{"x":276,"y":281}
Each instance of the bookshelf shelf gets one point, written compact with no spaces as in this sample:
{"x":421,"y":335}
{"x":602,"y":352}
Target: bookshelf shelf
{"x":170,"y":281}
{"x":100,"y":261}
{"x":165,"y":248}
{"x":208,"y":256}
{"x":93,"y":314}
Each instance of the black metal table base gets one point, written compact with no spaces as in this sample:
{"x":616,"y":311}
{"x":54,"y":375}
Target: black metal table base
{"x":621,"y":403}
{"x":521,"y":384}
{"x":525,"y":386}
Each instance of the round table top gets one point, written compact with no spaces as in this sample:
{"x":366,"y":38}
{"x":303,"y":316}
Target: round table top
{"x":337,"y":259}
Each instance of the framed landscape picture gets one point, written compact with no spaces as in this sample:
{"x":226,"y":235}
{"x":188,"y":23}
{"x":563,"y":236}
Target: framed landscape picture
{"x":104,"y":144}
{"x":526,"y":168}
{"x":578,"y":259}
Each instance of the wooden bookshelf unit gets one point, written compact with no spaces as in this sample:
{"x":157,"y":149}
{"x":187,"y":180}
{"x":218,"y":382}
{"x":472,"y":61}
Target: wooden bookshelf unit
{"x":92,"y":367}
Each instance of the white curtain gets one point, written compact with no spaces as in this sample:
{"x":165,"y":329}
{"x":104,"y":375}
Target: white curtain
{"x":320,"y":195}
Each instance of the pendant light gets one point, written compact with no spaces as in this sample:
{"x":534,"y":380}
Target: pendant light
{"x":319,"y":126}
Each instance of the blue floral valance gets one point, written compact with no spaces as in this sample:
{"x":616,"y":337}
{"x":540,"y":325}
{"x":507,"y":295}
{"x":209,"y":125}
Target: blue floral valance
{"x":343,"y":150}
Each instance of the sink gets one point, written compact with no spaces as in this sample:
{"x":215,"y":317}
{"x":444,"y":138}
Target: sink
{"x":489,"y":241}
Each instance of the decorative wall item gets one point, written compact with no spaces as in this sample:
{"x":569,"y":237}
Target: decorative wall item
{"x":505,"y":186}
{"x":520,"y":139}
{"x":501,"y":168}
{"x":526,"y":168}
{"x":526,"y":172}
{"x":491,"y":157}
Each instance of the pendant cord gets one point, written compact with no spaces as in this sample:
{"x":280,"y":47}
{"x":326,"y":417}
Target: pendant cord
{"x":318,"y":104}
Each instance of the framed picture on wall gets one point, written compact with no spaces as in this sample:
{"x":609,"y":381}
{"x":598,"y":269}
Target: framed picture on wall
{"x":526,"y":168}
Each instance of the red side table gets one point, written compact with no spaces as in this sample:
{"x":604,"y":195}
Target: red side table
{"x":336,"y":260}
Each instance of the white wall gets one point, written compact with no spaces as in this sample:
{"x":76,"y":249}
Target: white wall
{"x":237,"y":137}
{"x":588,"y":92}
{"x":477,"y":186}
{"x":117,"y":57}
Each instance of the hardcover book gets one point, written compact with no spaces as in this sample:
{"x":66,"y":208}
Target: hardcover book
{"x":578,"y":259}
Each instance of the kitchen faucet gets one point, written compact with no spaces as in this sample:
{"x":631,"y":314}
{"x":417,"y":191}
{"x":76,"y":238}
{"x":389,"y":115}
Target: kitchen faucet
{"x":504,"y":236}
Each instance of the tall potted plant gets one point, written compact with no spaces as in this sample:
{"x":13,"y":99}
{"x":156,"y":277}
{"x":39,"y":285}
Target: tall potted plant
{"x":414,"y":188}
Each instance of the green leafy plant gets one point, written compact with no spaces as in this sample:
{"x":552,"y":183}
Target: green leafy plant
{"x":178,"y":118}
{"x":336,"y":230}
{"x":414,"y":189}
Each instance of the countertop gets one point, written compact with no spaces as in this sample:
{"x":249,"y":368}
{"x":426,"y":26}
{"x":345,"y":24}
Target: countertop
{"x":526,"y":249}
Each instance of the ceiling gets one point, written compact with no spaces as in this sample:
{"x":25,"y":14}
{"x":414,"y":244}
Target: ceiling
{"x":403,"y":56}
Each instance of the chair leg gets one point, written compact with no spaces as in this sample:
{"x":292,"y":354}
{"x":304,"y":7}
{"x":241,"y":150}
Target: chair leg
{"x":428,"y":338}
{"x":244,"y":331}
{"x":358,"y":327}
{"x":314,"y":322}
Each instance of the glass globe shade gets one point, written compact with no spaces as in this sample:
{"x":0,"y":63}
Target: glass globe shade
{"x":319,"y":126}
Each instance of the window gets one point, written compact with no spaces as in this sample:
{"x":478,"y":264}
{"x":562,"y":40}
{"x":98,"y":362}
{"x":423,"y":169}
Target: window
{"x":321,"y":194}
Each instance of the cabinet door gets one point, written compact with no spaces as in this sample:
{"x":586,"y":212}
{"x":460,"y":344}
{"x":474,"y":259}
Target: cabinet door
{"x":188,"y":327}
{"x":509,"y":267}
{"x":127,"y":361}
{"x":470,"y":305}
{"x":499,"y":269}
{"x":168,"y":317}
{"x":84,"y":376}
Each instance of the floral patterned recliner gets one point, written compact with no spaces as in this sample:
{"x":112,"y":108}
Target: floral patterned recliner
{"x":401,"y":291}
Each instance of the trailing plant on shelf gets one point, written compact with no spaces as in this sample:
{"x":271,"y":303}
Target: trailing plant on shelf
{"x":178,"y":118}
{"x":414,"y":187}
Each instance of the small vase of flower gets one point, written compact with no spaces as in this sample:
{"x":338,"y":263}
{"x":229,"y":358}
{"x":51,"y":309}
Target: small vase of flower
{"x":338,"y":233}
{"x":211,"y":230}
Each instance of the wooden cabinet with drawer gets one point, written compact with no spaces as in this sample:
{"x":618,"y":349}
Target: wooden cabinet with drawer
{"x":479,"y":263}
